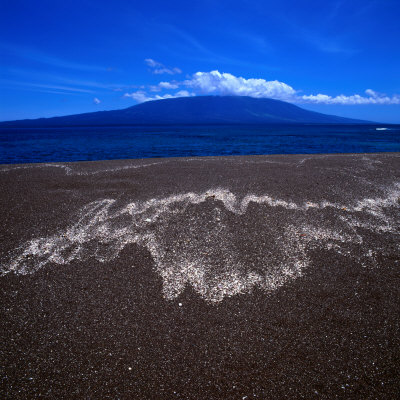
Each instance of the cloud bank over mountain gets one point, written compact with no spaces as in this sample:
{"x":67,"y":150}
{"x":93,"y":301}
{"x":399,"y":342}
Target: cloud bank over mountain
{"x":228,"y":84}
{"x":215,"y":82}
{"x":141,"y":96}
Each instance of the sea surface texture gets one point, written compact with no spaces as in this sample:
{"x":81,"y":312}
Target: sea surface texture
{"x":109,"y":143}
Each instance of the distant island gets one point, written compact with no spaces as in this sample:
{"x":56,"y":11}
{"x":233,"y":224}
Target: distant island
{"x":194,"y":110}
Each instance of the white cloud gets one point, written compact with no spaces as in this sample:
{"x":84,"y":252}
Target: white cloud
{"x":163,"y":85}
{"x":96,"y":101}
{"x":372,"y":93}
{"x":168,"y":85}
{"x":228,"y":84}
{"x":184,"y":93}
{"x":141,"y":96}
{"x":215,"y":82}
{"x":169,"y":71}
{"x":372,"y":98}
{"x":159,"y":68}
{"x":154,"y":88}
{"x":152,"y":63}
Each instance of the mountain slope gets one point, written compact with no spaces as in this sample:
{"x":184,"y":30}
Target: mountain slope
{"x":193,"y":110}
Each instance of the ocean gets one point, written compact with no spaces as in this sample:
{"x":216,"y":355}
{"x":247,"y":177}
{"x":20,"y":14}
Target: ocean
{"x":34,"y":145}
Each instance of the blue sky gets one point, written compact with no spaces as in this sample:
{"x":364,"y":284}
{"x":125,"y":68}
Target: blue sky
{"x":333,"y":56}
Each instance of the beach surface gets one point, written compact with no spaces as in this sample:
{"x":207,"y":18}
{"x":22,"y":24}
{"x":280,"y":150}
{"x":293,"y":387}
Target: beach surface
{"x":246,"y":277}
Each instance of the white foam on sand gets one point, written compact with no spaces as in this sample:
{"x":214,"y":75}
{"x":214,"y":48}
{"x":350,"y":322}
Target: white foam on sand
{"x":217,"y":243}
{"x":68,"y":170}
{"x":71,"y":171}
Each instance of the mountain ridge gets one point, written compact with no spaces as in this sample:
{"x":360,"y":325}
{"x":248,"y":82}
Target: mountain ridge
{"x":194,"y":111}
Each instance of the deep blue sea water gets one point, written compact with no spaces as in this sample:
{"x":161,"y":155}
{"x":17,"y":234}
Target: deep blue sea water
{"x":106,"y":143}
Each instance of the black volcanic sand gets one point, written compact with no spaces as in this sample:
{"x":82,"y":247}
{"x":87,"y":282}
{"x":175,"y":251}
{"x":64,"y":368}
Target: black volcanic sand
{"x":103,"y":326}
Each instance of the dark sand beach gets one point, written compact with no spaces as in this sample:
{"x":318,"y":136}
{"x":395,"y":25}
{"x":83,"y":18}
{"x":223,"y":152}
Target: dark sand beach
{"x":260,"y":277}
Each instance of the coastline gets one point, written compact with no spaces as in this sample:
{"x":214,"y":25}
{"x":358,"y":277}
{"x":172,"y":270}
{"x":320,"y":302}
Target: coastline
{"x":213,"y":277}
